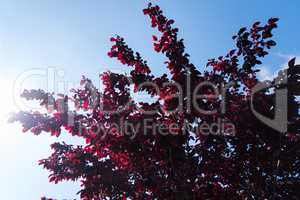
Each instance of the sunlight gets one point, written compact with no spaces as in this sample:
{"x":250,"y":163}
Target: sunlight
{"x":8,"y":132}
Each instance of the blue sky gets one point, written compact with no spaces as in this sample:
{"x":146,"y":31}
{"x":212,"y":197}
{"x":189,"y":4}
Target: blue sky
{"x":73,"y":36}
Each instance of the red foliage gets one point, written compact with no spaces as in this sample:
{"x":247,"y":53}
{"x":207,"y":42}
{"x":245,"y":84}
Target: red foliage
{"x":255,"y":163}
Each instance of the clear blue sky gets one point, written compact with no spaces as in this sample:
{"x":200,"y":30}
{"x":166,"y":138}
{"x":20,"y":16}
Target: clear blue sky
{"x":73,"y":36}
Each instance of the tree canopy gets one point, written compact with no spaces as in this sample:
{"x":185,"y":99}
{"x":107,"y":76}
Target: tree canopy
{"x":198,"y":138}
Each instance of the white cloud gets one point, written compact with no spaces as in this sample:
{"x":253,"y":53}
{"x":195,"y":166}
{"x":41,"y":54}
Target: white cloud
{"x":267,"y":74}
{"x":287,"y":58}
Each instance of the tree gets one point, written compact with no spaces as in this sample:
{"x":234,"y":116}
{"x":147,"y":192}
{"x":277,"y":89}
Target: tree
{"x":184,"y":154}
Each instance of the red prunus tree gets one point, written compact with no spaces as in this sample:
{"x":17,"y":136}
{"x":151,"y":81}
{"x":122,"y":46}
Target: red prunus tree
{"x":184,"y":154}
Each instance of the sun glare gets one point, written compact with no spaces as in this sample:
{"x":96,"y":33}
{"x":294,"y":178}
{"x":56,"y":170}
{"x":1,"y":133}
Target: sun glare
{"x":8,"y":132}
